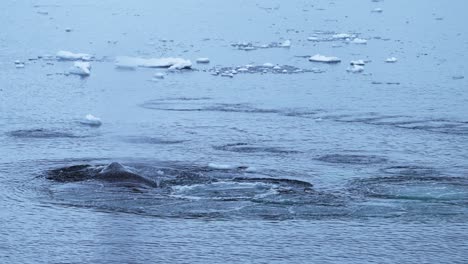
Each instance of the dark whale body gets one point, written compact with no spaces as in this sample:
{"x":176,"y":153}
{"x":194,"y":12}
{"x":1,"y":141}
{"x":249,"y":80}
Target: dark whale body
{"x":114,"y":173}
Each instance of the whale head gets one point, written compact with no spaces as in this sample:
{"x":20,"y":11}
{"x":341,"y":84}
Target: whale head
{"x":114,"y":167}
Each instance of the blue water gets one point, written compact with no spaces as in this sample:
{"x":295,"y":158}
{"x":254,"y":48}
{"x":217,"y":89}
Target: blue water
{"x":385,"y":150}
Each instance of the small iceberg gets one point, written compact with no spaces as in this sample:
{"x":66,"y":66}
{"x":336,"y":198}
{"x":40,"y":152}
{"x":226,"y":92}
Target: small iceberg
{"x":67,"y":55}
{"x":171,"y":63}
{"x":82,"y":68}
{"x":391,"y":60}
{"x":355,"y":69}
{"x":91,"y":120}
{"x":203,"y":60}
{"x":268,"y":65}
{"x":324,"y":59}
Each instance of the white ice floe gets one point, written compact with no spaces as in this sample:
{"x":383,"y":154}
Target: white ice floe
{"x":277,"y":67}
{"x":391,"y":60}
{"x":313,"y":39}
{"x":171,"y":63}
{"x":358,"y":62}
{"x":355,"y":69}
{"x":82,"y":68}
{"x":359,"y":41}
{"x":324,"y":59}
{"x":242,"y":70}
{"x":268,"y":65}
{"x":377,"y":10}
{"x":203,"y":60}
{"x":91,"y":120}
{"x":67,"y":55}
{"x":286,"y":44}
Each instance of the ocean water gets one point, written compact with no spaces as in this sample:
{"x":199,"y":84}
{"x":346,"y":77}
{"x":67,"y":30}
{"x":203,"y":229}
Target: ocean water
{"x":304,"y":162}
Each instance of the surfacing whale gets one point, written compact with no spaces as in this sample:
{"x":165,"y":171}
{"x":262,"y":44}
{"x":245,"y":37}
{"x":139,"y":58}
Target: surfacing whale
{"x":114,"y":173}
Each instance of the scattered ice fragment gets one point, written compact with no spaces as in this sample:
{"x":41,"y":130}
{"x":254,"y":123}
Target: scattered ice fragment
{"x":358,"y":62}
{"x":324,"y":59}
{"x":67,"y":55}
{"x":277,"y":67}
{"x":355,"y":69}
{"x":285,"y":71}
{"x":42,"y":12}
{"x":268,"y":65}
{"x":203,"y":60}
{"x":91,"y":120}
{"x":359,"y":41}
{"x":377,"y":10}
{"x":242,"y":70}
{"x":391,"y":60}
{"x":313,"y":39}
{"x":171,"y":63}
{"x":286,"y":44}
{"x":82,"y":68}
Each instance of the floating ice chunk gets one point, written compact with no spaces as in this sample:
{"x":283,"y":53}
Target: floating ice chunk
{"x":67,"y":55}
{"x":242,"y":70}
{"x":285,"y":44}
{"x":277,"y":67}
{"x":203,"y":60}
{"x":355,"y":69}
{"x":313,"y":39}
{"x":91,"y":120}
{"x":359,"y":41}
{"x":81,"y":68}
{"x":377,"y":10}
{"x":284,"y":71}
{"x":324,"y":59}
{"x":227,"y":74}
{"x":220,"y":166}
{"x":391,"y":60}
{"x":268,"y":65}
{"x":358,"y":62}
{"x":159,"y":75}
{"x":171,"y":63}
{"x":19,"y":64}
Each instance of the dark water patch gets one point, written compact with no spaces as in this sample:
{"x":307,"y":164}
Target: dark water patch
{"x":41,"y":133}
{"x":151,"y":140}
{"x":352,"y":159}
{"x":248,"y":148}
{"x":184,"y":107}
{"x":407,"y":122}
{"x":414,"y":183}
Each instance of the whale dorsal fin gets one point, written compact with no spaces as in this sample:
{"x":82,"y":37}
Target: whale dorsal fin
{"x":113,"y":167}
